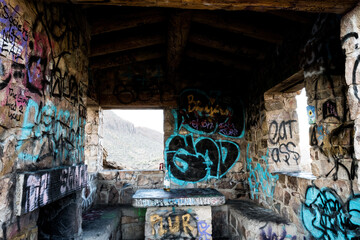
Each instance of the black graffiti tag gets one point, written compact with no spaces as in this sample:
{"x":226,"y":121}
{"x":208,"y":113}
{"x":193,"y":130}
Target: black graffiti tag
{"x":190,"y":161}
{"x":280,"y":131}
{"x":284,"y":153}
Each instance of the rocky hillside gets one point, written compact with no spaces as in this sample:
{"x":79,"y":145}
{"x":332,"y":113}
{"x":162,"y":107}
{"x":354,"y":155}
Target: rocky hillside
{"x":130,"y":147}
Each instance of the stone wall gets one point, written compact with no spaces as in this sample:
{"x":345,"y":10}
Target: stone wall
{"x":204,"y":144}
{"x":117,"y":186}
{"x":43,"y":83}
{"x":296,"y":195}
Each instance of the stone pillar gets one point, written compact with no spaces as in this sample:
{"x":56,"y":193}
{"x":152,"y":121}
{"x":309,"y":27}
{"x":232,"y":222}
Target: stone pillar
{"x":350,"y":29}
{"x":94,"y":136}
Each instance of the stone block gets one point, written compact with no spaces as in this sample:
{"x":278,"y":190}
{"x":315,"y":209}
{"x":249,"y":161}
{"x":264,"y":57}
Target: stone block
{"x":178,"y":223}
{"x":126,"y":195}
{"x":143,"y":181}
{"x":274,"y":105}
{"x":128,"y":219}
{"x":104,"y":197}
{"x":287,"y":198}
{"x":292,"y":183}
{"x":113,"y":196}
{"x":108,"y":175}
{"x":354,"y":100}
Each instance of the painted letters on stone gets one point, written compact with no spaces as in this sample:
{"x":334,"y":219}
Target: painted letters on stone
{"x":197,"y":157}
{"x":37,"y":189}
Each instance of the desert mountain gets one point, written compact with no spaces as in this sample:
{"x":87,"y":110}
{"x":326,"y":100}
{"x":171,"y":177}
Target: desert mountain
{"x":131,"y":147}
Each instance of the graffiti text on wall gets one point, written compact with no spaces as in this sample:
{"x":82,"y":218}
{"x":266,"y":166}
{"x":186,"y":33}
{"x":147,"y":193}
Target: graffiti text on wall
{"x":14,"y":35}
{"x":347,"y":37}
{"x":280,"y":134}
{"x":260,"y":177}
{"x":59,"y":133}
{"x":208,"y":114}
{"x":270,"y":235}
{"x":43,"y":187}
{"x":178,"y":224}
{"x":193,"y":161}
{"x":326,"y":216}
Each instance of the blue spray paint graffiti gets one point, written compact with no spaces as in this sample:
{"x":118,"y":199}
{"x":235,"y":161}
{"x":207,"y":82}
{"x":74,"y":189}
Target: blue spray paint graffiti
{"x":190,"y":161}
{"x":326,"y":216}
{"x":13,"y":36}
{"x":270,"y":235}
{"x":202,"y":114}
{"x":202,"y":227}
{"x":260,"y":176}
{"x":59,"y":134}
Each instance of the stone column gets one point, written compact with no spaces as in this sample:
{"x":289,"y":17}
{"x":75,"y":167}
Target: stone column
{"x":350,"y":29}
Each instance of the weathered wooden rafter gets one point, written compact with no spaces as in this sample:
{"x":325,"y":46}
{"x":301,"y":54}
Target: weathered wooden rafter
{"x":125,"y":21}
{"x":178,"y":32}
{"x":210,"y":56}
{"x":237,"y":25}
{"x":127,"y":57}
{"x":127,"y":43}
{"x":225,"y":45}
{"x":333,"y":6}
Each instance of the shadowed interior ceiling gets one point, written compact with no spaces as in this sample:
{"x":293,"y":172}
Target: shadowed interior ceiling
{"x":144,"y":52}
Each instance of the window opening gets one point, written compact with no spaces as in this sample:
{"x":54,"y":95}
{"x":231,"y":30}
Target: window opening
{"x":133,"y":139}
{"x":305,"y":115}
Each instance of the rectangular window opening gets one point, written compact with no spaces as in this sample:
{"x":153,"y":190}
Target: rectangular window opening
{"x":133,"y":139}
{"x":306,"y":116}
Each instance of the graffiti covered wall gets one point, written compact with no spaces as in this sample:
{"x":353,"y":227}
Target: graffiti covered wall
{"x":43,"y":83}
{"x":184,"y":223}
{"x":323,"y":204}
{"x":207,"y":132}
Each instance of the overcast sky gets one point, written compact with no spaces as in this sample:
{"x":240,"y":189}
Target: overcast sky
{"x":153,"y":119}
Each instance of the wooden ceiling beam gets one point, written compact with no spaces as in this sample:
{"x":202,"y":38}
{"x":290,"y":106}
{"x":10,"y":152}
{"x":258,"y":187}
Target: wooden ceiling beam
{"x":128,"y":57}
{"x":334,"y":6}
{"x":127,"y":43}
{"x":209,"y":56}
{"x":227,"y":46}
{"x":237,"y":25}
{"x":125,"y":21}
{"x":178,"y":32}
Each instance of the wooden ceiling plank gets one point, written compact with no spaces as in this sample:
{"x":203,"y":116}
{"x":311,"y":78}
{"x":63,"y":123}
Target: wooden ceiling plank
{"x":124,"y":58}
{"x":216,"y":58}
{"x":219,"y":44}
{"x":334,"y":6}
{"x":237,"y":26}
{"x":121,"y":22}
{"x":178,"y":32}
{"x":127,"y":43}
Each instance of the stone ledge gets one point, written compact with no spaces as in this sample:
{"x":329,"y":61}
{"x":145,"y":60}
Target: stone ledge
{"x":297,"y":174}
{"x":144,"y":198}
{"x":102,"y":224}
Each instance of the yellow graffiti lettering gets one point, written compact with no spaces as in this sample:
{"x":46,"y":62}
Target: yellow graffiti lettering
{"x":157,"y":219}
{"x":192,"y":104}
{"x":185,"y":220}
{"x":176,"y":227}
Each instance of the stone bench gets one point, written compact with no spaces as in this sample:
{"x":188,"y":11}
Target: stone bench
{"x":102,"y":224}
{"x":249,"y":221}
{"x":179,"y":213}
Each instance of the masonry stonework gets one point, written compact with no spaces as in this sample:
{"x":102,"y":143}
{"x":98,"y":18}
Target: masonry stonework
{"x":44,"y":72}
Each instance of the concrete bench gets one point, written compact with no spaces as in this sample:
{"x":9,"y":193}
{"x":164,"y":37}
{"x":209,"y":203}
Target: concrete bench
{"x":249,"y":221}
{"x":102,"y":224}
